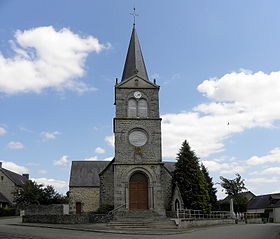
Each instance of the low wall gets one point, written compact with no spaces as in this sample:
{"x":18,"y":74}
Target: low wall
{"x":184,"y":223}
{"x":53,"y":209}
{"x":67,"y":219}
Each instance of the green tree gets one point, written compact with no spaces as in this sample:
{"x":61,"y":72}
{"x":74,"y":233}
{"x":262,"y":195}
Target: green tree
{"x":33,"y":193}
{"x":234,"y":188}
{"x":190,"y":179}
{"x":210,"y":187}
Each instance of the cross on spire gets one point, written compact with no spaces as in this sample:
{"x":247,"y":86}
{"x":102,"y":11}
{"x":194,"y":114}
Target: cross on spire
{"x":134,"y":14}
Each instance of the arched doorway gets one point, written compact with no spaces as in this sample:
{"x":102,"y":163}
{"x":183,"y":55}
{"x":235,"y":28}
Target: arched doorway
{"x":138,"y":191}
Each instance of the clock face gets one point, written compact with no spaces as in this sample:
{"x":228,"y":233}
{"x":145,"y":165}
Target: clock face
{"x":138,"y":138}
{"x":137,"y":94}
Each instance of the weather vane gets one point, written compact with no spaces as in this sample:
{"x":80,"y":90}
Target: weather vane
{"x":134,"y":14}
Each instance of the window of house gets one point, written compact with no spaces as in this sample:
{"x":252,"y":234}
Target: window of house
{"x":2,"y":178}
{"x":137,"y":108}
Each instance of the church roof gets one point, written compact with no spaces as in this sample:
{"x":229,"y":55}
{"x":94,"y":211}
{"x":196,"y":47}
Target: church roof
{"x":86,"y":173}
{"x":265,"y":201}
{"x":134,"y":63}
{"x":170,"y":166}
{"x":17,"y":179}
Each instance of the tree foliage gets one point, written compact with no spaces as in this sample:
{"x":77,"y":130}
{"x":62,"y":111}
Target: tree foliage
{"x":190,"y":180}
{"x":210,"y":187}
{"x":233,"y":186}
{"x":33,"y":193}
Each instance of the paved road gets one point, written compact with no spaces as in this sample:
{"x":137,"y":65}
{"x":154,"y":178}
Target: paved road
{"x":263,"y":231}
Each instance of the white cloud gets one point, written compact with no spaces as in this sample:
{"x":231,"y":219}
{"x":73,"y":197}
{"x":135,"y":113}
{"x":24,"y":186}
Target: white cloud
{"x":50,"y":135}
{"x":223,"y":168}
{"x":271,"y":171}
{"x":108,"y":159}
{"x":43,"y":171}
{"x":254,"y":104}
{"x":15,"y":145}
{"x":272,"y":157}
{"x":46,"y":58}
{"x":62,"y":161}
{"x":49,"y":181}
{"x":94,"y":158}
{"x":262,"y":180}
{"x":99,"y":150}
{"x":2,"y":131}
{"x":14,"y":167}
{"x":110,"y":140}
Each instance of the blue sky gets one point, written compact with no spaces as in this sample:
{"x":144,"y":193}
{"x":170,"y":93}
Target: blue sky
{"x":217,"y":62}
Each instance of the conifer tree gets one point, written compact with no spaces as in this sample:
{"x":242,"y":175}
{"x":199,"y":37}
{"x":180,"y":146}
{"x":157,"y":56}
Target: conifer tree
{"x":210,"y":187}
{"x":190,"y":179}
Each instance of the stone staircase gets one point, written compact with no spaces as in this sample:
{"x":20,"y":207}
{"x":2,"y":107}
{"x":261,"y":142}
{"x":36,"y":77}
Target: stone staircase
{"x":126,"y":219}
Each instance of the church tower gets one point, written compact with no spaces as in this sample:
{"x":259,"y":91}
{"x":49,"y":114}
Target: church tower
{"x":138,"y":182}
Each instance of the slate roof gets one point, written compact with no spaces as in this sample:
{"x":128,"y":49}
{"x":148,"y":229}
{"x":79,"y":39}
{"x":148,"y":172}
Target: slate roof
{"x":170,"y":166}
{"x":265,"y":201}
{"x":86,"y":173}
{"x":134,"y":63}
{"x":17,"y":179}
{"x":249,"y":195}
{"x":3,"y":199}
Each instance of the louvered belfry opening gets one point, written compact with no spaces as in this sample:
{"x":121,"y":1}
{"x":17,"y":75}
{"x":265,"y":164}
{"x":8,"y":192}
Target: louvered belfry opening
{"x":138,"y":192}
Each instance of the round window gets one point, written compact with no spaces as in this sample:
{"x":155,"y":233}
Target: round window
{"x":138,"y":137}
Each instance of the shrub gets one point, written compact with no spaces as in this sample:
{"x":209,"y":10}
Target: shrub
{"x":4,"y":212}
{"x":104,"y":209}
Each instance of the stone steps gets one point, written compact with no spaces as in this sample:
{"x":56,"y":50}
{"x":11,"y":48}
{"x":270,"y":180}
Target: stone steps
{"x":129,"y":224}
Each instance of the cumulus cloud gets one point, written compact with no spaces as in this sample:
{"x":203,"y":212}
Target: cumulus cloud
{"x":62,"y":161}
{"x":46,"y":58}
{"x":224,"y":167}
{"x":263,"y":180}
{"x":110,"y":140}
{"x":50,"y":135}
{"x":231,"y":111}
{"x":95,"y":158}
{"x":99,"y":150}
{"x":15,"y":145}
{"x":2,"y":131}
{"x":15,"y":167}
{"x":272,"y":157}
{"x":49,"y":181}
{"x":43,"y":171}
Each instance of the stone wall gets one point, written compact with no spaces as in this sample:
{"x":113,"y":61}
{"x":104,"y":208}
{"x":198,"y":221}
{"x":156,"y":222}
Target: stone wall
{"x":202,"y":223}
{"x":54,"y":209}
{"x":87,"y":196}
{"x":67,"y":219}
{"x":276,"y":215}
{"x":166,"y":180}
{"x":107,"y":186}
{"x":7,"y":187}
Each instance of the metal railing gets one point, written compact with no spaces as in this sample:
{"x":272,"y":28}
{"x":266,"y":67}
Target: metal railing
{"x":198,"y":214}
{"x":112,"y":212}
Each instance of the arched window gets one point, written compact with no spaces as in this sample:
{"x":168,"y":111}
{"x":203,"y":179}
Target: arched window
{"x":142,"y":108}
{"x":137,"y":108}
{"x":132,"y":108}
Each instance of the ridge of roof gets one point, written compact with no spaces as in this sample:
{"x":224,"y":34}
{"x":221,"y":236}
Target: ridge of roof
{"x":18,"y":179}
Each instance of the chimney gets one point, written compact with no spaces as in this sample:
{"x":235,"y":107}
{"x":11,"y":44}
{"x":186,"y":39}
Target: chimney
{"x":0,"y":164}
{"x":25,"y":175}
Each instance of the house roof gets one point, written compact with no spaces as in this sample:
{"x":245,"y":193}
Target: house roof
{"x":86,"y":173}
{"x":249,"y":195}
{"x":265,"y":201}
{"x":17,"y":179}
{"x":3,"y":199}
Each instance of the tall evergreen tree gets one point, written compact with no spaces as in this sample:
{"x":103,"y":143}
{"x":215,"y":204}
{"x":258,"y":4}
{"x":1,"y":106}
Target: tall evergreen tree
{"x":210,"y":187}
{"x":190,"y":180}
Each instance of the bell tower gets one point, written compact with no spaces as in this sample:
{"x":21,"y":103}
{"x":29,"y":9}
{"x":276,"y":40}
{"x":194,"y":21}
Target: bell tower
{"x":137,"y":130}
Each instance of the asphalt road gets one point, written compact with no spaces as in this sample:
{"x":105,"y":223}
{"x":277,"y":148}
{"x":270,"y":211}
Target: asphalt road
{"x":253,"y":231}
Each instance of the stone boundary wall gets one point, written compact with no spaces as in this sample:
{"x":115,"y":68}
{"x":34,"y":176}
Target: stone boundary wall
{"x":53,"y":209}
{"x":203,"y":223}
{"x":67,"y":219}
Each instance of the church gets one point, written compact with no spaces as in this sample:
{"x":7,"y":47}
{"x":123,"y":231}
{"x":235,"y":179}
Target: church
{"x":136,"y":179}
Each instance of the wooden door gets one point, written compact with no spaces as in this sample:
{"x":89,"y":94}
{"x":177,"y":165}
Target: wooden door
{"x":138,"y":193}
{"x":78,"y":208}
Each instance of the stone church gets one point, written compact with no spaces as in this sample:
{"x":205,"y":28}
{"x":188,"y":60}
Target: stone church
{"x":137,"y":178}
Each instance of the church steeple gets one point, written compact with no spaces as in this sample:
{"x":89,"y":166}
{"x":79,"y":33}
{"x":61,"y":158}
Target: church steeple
{"x":134,"y":63}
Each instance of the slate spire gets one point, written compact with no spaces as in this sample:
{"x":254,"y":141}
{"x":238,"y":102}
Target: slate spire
{"x":134,"y":63}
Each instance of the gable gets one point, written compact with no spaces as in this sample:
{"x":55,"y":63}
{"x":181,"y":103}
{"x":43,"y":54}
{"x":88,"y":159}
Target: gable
{"x":17,"y":179}
{"x":86,"y":173}
{"x":137,"y":82}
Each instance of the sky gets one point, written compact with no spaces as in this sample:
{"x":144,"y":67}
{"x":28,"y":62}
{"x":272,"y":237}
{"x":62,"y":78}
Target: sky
{"x":217,"y":62}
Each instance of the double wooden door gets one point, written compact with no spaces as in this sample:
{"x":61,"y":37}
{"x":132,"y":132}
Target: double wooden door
{"x":138,"y":195}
